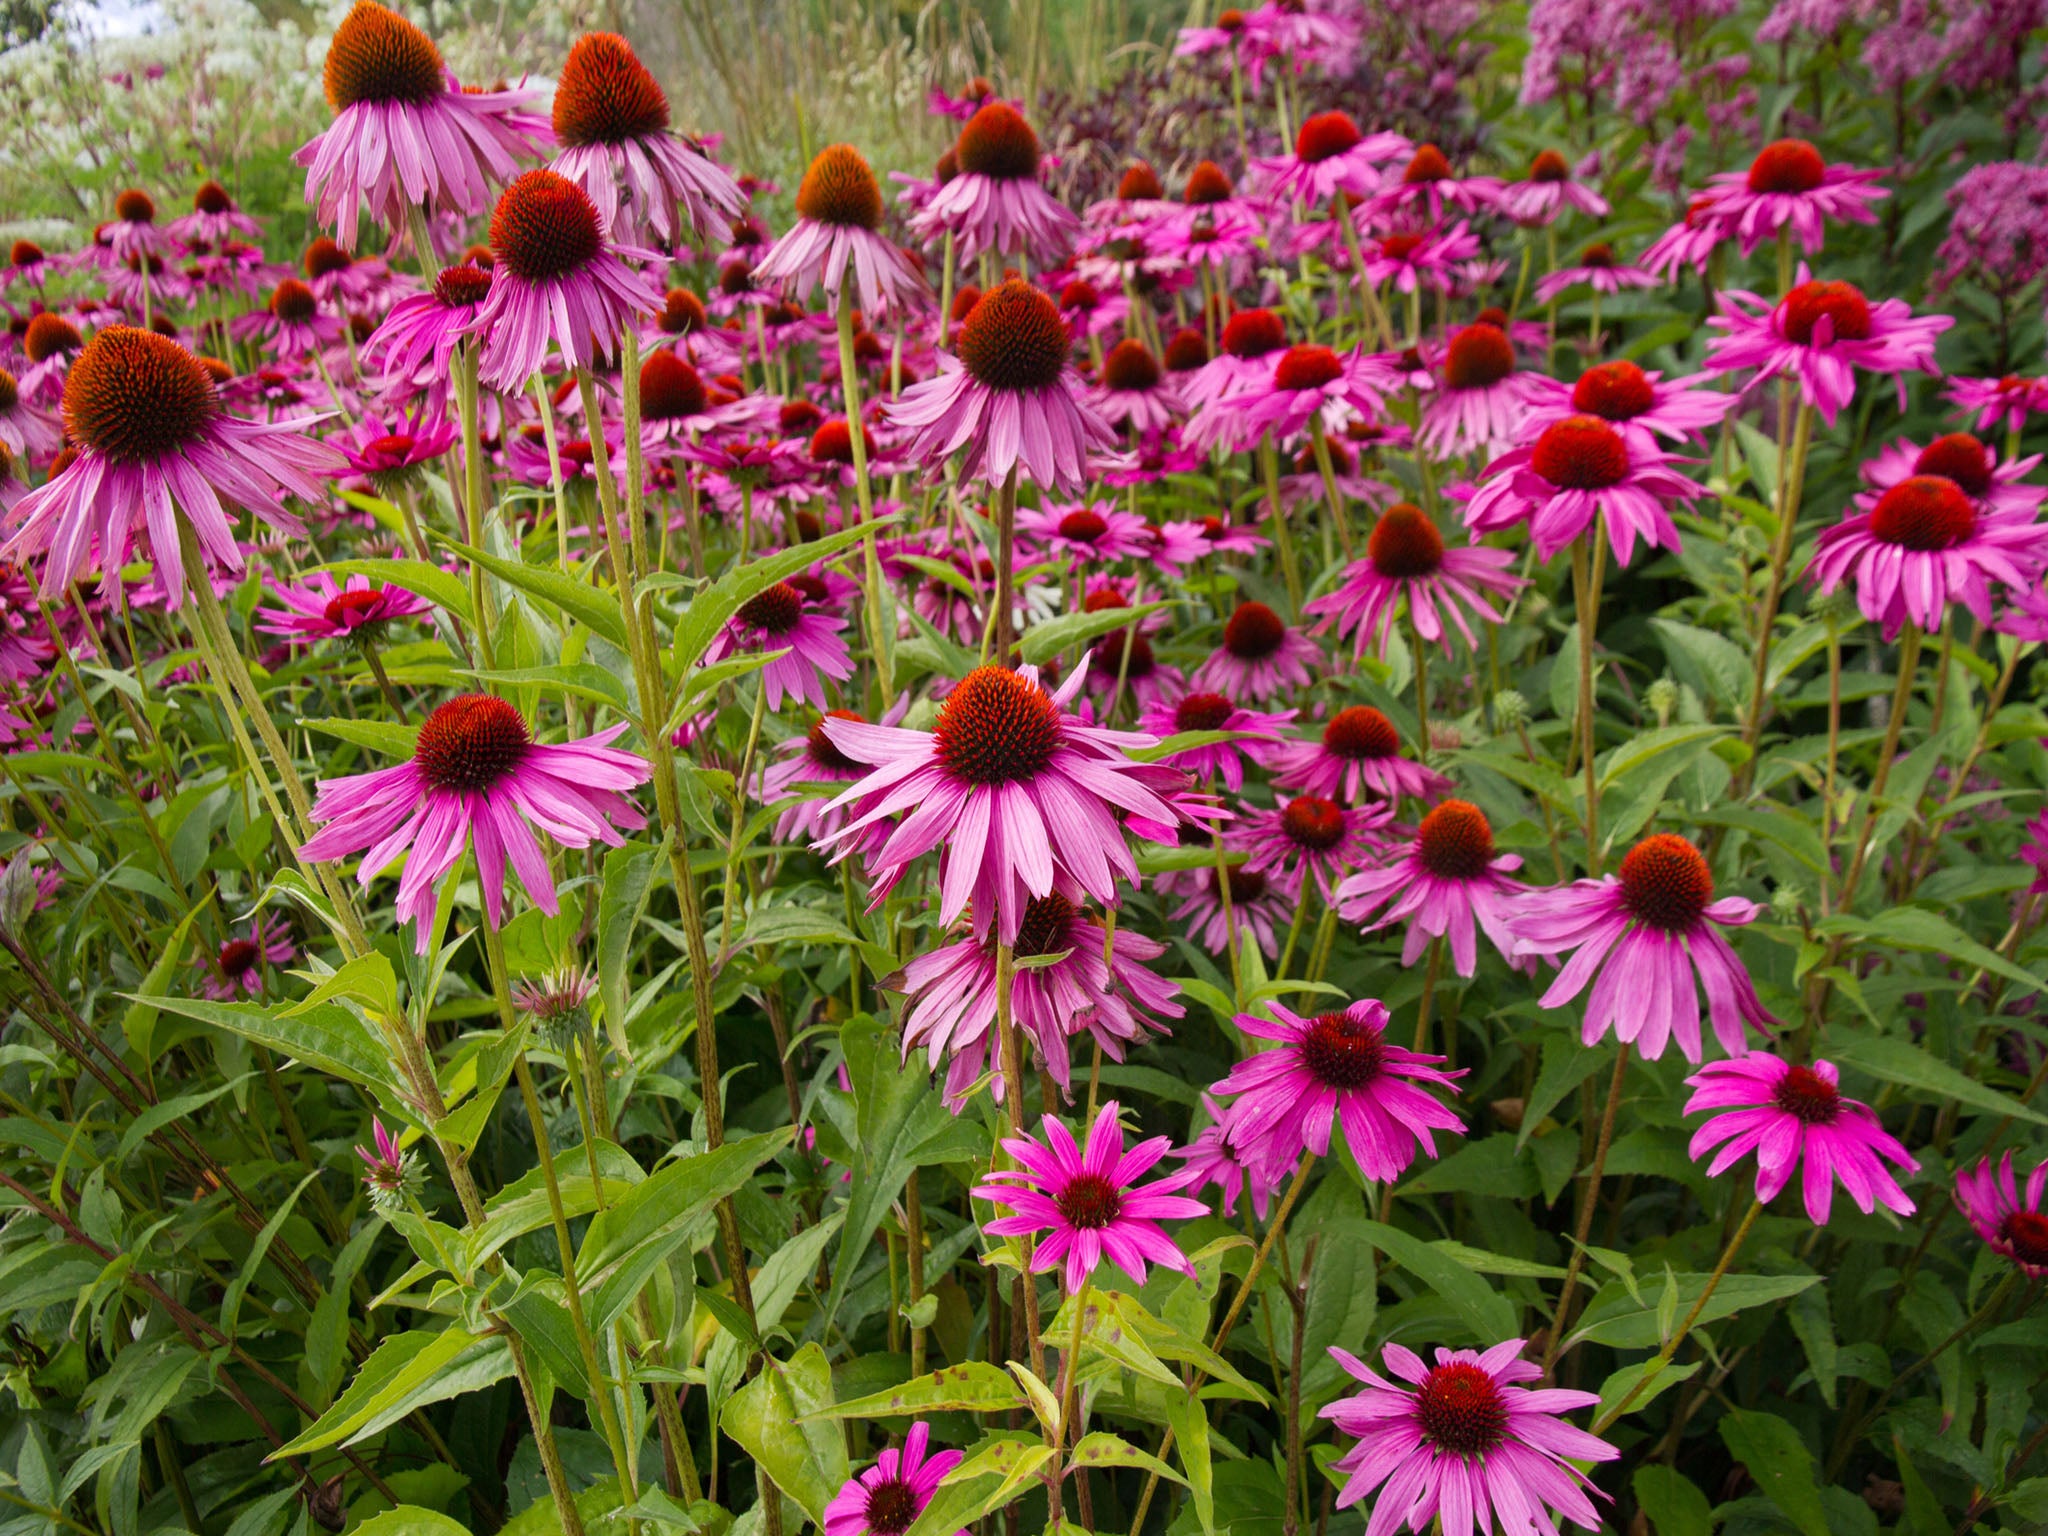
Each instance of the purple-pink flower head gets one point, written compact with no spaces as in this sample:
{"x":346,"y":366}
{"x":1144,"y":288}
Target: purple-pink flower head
{"x":1821,"y":333}
{"x":1310,"y":835}
{"x":1463,"y":1442}
{"x":839,"y":222}
{"x":1484,"y":395}
{"x":1445,"y":881}
{"x":2008,"y":1220}
{"x":1336,"y":1068}
{"x":886,"y":1499}
{"x":780,"y":618}
{"x":153,"y":445}
{"x":1015,"y":789}
{"x":1407,"y":562}
{"x":1577,"y":470}
{"x":478,"y":777}
{"x":1261,"y":656}
{"x":1652,"y":935}
{"x":1357,"y":757}
{"x":1797,"y":1121}
{"x":1788,"y":184}
{"x":318,"y":609}
{"x":1090,"y":1201}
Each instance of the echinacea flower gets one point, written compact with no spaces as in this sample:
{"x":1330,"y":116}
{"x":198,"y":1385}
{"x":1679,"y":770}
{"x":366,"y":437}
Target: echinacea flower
{"x":292,"y":324}
{"x":1213,"y":1159}
{"x":838,"y":224}
{"x":1652,"y":934}
{"x":414,"y":345}
{"x":1017,"y":790}
{"x":995,"y":203}
{"x":1447,"y":879}
{"x":25,"y":649}
{"x":1330,"y":155}
{"x":238,"y":966}
{"x":1789,"y":185}
{"x":316,"y":609}
{"x":1090,"y":1201}
{"x":1549,"y":190}
{"x":1927,"y":541}
{"x":1599,"y":269}
{"x":1356,"y":756}
{"x":1259,"y":906}
{"x":1261,"y":656}
{"x":1309,"y":835}
{"x":25,"y":432}
{"x":611,"y":119}
{"x":1134,"y":391}
{"x":2008,"y":401}
{"x":1222,"y":760}
{"x":886,"y":1499}
{"x":2009,"y":1221}
{"x":477,"y":777}
{"x":49,"y":342}
{"x":1091,"y":534}
{"x":949,"y":1009}
{"x":1309,"y":384}
{"x":1464,"y":1444}
{"x":214,"y":219}
{"x":1819,"y":335}
{"x":1577,"y":470}
{"x":1797,"y":1121}
{"x":1336,"y":1069}
{"x":778,"y":618}
{"x":558,"y":277}
{"x":388,"y":451}
{"x":1426,"y":187}
{"x":154,"y":445}
{"x":1483,"y":394}
{"x":1640,"y":404}
{"x":1407,"y":563}
{"x":1011,"y":397}
{"x":390,"y":1172}
{"x":404,"y":134}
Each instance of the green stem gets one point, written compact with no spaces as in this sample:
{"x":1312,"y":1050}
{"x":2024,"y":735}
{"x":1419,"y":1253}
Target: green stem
{"x":1562,"y":1317}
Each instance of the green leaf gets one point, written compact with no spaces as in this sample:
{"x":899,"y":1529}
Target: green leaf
{"x":385,"y":737}
{"x":443,"y":588}
{"x":329,"y":1037}
{"x":1102,"y":1449}
{"x":1780,"y":1464}
{"x":584,"y":679}
{"x":1662,"y":1375}
{"x":1893,"y":1060}
{"x":1621,"y":1321}
{"x":995,"y":1471}
{"x":1714,"y":666}
{"x":404,"y":1372}
{"x":629,"y":873}
{"x":1916,"y":928}
{"x":712,"y":606}
{"x":773,"y":1419}
{"x":1814,"y":1324}
{"x":1638,"y":751}
{"x":974,"y":1387}
{"x":138,"y":1025}
{"x":411,"y":1520}
{"x":1040,"y":643}
{"x":1675,"y":1505}
{"x":368,"y":979}
{"x":1490,"y":1315}
{"x":1188,"y":1417}
{"x":596,"y":609}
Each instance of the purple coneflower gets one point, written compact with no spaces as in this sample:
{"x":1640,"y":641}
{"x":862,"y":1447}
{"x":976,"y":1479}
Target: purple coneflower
{"x":25,"y":649}
{"x":1357,"y":756}
{"x":477,"y":776}
{"x":1091,"y":534}
{"x":1309,"y":384}
{"x":1261,"y":656}
{"x":1820,"y":334}
{"x":239,"y":964}
{"x":388,"y":451}
{"x":1336,"y":1069}
{"x":1213,"y":1159}
{"x":154,"y":445}
{"x":1222,"y":760}
{"x":1599,"y":269}
{"x":1576,"y":470}
{"x":1134,"y":391}
{"x":1788,"y":184}
{"x":1652,"y":933}
{"x":1943,"y":533}
{"x":1090,"y":1201}
{"x":950,"y":1006}
{"x":1448,"y":878}
{"x":1016,"y":789}
{"x":557,"y":278}
{"x":812,"y":759}
{"x":779,"y":619}
{"x":25,"y":432}
{"x":1797,"y":1120}
{"x":1010,"y":398}
{"x":2009,"y":401}
{"x":1406,"y":561}
{"x":390,"y":1171}
{"x":1330,"y":156}
{"x":886,"y":1499}
{"x":1483,"y":395}
{"x":1466,"y":1446}
{"x":1640,"y":404}
{"x":414,"y":345}
{"x":838,"y":223}
{"x":611,"y":118}
{"x":2008,"y":1221}
{"x":1550,"y":189}
{"x":1309,"y":835}
{"x":214,"y":219}
{"x":291,"y":324}
{"x":1413,"y":260}
{"x":1427,"y":186}
{"x":1259,"y":906}
{"x":316,"y":609}
{"x":995,"y":203}
{"x":404,"y":133}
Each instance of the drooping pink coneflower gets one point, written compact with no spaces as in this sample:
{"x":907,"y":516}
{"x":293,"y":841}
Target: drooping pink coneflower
{"x":2008,"y":1219}
{"x":1446,"y":881}
{"x":1357,"y":756}
{"x":1576,"y":470}
{"x":315,"y":608}
{"x":1819,"y":335}
{"x":1407,"y":563}
{"x":838,"y":225}
{"x":887,"y":1498}
{"x":1789,"y":185}
{"x":996,"y":203}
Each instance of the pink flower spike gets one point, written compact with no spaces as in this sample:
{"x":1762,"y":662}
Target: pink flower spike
{"x":1465,"y":1443}
{"x":1797,"y":1120}
{"x":1090,"y":1201}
